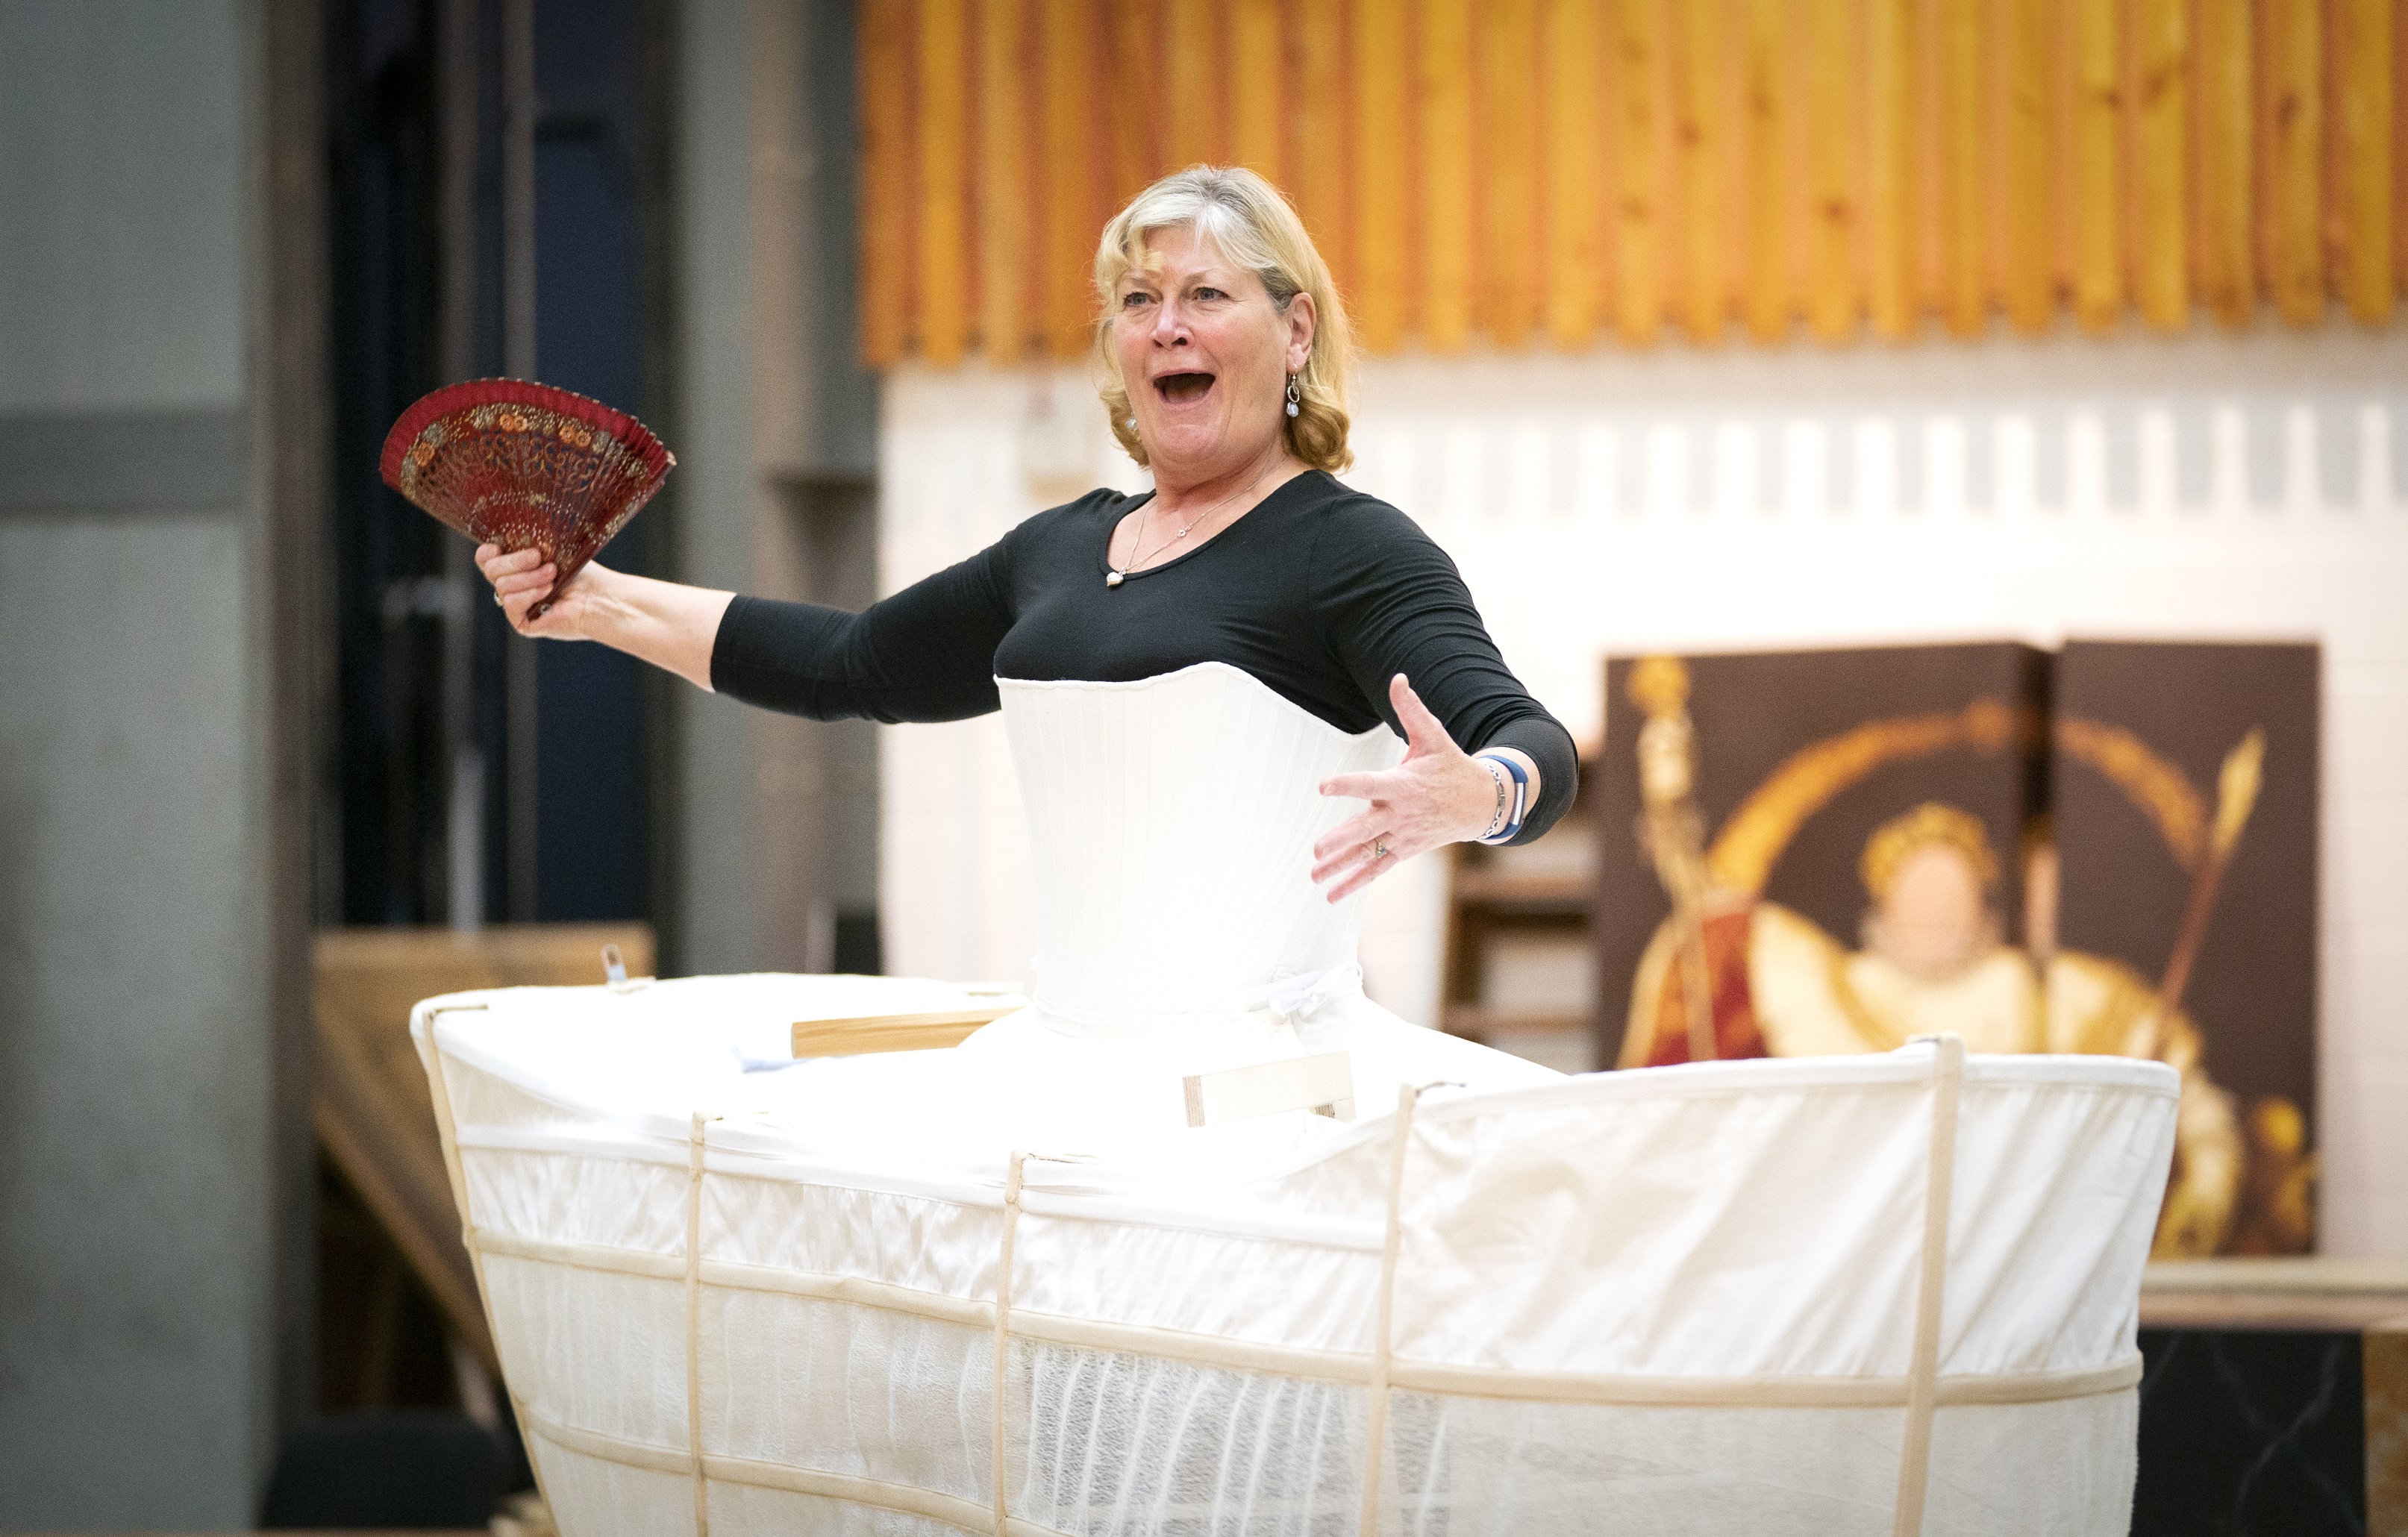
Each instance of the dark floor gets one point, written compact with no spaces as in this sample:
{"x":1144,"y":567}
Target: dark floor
{"x":2251,"y":1435}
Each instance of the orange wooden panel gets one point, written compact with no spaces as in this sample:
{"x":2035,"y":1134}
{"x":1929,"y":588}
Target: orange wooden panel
{"x":2361,"y":140}
{"x":1768,"y":42}
{"x":1196,"y":56}
{"x":1444,"y":77}
{"x":1506,"y":134}
{"x":1835,"y":83}
{"x":2399,"y":142}
{"x":2098,"y":66}
{"x":1640,"y":91}
{"x":2021,"y":189}
{"x":884,"y":65}
{"x":1889,"y":35}
{"x":2291,"y":133}
{"x":1320,"y":176}
{"x":2159,"y":70}
{"x":1927,"y":204}
{"x":1257,"y":87}
{"x":1706,"y":110}
{"x":1383,"y":142}
{"x":1004,"y":191}
{"x":944,"y":180}
{"x":1130,"y":117}
{"x":1571,"y":78}
{"x":1068,"y":198}
{"x":2222,"y":141}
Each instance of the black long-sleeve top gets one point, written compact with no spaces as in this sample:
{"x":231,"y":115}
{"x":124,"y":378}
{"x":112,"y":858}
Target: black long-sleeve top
{"x":1321,"y":592}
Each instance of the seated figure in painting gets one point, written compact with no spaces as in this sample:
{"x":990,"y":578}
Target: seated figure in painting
{"x":1932,"y":960}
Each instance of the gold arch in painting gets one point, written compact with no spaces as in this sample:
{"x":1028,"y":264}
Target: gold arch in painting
{"x":1755,"y":836}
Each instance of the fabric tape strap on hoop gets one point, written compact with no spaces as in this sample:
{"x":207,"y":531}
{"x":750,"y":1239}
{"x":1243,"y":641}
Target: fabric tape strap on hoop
{"x":693,"y":1327}
{"x":1003,"y":1327}
{"x":1383,"y":1328}
{"x":1922,"y":1382}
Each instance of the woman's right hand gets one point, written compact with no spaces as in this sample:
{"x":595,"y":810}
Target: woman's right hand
{"x":666,"y":624}
{"x":521,"y":577}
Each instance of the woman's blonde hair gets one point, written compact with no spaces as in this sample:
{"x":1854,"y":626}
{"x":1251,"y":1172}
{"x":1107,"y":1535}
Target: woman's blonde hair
{"x":1250,"y":223}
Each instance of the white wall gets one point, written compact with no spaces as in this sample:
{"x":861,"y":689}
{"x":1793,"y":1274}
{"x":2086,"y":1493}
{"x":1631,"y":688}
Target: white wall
{"x":2205,"y":486}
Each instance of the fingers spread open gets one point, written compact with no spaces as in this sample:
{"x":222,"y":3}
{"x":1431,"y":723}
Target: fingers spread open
{"x":1364,"y":864}
{"x":1346,"y":855}
{"x":1366,"y":784}
{"x":1355,"y":829}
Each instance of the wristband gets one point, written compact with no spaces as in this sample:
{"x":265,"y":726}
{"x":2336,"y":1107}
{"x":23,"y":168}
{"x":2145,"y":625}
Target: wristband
{"x":1512,"y":803}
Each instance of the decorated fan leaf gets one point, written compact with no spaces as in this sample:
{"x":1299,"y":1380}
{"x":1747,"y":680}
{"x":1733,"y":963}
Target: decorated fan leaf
{"x":525,"y":465}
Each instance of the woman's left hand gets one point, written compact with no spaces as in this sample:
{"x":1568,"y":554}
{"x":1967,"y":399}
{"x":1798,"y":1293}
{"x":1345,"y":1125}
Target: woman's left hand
{"x":1436,"y":795}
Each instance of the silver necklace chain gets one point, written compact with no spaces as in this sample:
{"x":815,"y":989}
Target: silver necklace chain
{"x":1138,"y":553}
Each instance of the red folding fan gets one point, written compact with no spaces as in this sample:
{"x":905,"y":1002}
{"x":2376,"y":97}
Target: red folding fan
{"x":522,"y":465}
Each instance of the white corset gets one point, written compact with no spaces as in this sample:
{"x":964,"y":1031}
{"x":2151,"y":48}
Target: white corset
{"x":1172,"y":823}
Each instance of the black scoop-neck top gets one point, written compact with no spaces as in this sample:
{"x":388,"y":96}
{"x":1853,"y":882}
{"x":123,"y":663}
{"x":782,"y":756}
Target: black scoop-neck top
{"x":1321,"y":592}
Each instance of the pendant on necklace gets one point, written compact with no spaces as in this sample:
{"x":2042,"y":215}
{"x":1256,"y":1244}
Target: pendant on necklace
{"x":1113,"y":578}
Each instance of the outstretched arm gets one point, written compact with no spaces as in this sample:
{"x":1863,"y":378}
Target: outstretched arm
{"x":926,"y":653}
{"x":665,"y":624}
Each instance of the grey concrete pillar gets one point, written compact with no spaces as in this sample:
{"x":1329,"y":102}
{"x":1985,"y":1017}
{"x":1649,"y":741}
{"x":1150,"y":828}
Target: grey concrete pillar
{"x":158,"y":400}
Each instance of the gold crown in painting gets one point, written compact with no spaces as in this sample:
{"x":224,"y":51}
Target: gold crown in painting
{"x":1928,"y":825}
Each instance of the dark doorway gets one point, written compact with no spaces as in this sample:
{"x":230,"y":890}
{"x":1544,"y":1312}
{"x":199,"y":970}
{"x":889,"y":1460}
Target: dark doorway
{"x":494,"y":180}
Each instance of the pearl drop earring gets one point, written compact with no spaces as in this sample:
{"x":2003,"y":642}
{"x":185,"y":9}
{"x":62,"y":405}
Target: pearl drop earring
{"x":1292,"y":396}
{"x":1130,"y":424}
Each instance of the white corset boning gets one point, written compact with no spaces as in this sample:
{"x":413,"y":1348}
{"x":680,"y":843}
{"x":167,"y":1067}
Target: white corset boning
{"x":1172,"y":823}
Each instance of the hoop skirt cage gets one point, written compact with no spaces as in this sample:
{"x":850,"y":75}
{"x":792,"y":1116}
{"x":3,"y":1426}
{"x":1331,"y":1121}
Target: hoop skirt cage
{"x":1006,"y":1287}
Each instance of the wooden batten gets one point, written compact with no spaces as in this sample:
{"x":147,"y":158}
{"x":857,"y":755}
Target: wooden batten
{"x":868,"y":1034}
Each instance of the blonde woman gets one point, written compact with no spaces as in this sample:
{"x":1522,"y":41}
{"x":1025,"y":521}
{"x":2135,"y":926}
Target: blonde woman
{"x":1251,"y":637}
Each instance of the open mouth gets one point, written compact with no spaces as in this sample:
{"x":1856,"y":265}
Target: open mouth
{"x":1179,"y":389}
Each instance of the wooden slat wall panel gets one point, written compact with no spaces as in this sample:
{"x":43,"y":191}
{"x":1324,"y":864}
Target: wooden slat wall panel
{"x":2360,"y":140}
{"x":2021,"y":103}
{"x":1068,"y":195}
{"x":1383,"y":163}
{"x":1495,"y":170}
{"x":1964,"y":288}
{"x":884,"y":68}
{"x":1256,"y":87}
{"x":1889,"y":119}
{"x":1506,"y":133}
{"x":944,"y":183}
{"x":1129,"y":39}
{"x":1447,"y":235}
{"x":1707,"y":104}
{"x":1324,"y":172}
{"x":2223,"y":262}
{"x":1191,"y":99}
{"x":1769,"y":103}
{"x":1834,"y":98}
{"x":1578,"y":185}
{"x":1004,"y":195}
{"x":2399,"y":145}
{"x":1640,"y":84}
{"x":2098,"y":78}
{"x":2290,"y":139}
{"x":2158,"y":70}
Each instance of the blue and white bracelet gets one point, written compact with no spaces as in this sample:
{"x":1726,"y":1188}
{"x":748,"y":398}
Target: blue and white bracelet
{"x":1513,"y":796}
